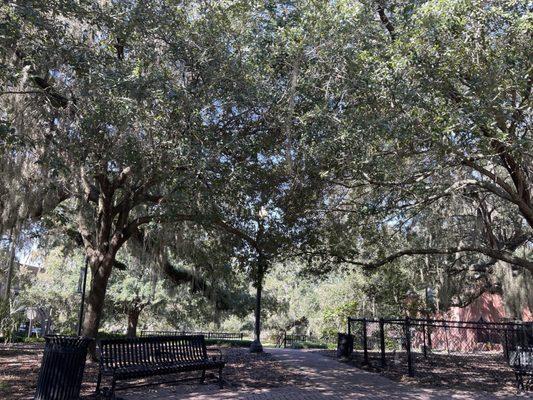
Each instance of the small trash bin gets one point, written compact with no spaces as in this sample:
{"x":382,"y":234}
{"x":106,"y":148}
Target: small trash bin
{"x":344,"y":345}
{"x":62,"y":368}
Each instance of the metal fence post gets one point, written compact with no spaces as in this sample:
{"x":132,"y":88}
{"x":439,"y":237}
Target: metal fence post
{"x":410,"y":370}
{"x":429,"y":333}
{"x":506,"y":350}
{"x":285,"y":340}
{"x":382,"y":340}
{"x":446,"y":335}
{"x":349,"y":326}
{"x":365,"y":343}
{"x":424,"y":338}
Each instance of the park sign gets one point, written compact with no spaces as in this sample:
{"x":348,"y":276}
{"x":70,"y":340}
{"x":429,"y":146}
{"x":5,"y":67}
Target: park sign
{"x":31,"y":313}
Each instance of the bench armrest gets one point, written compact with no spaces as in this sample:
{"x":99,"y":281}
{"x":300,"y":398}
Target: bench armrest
{"x":219,"y":357}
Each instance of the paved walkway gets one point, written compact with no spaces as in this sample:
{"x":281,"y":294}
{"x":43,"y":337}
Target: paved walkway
{"x":327,"y":379}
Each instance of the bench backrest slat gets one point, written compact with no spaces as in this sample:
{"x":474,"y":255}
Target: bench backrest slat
{"x":183,"y":354}
{"x":199,"y":349}
{"x":154,"y":354}
{"x":166,"y":351}
{"x":196,"y":351}
{"x":118,"y":349}
{"x":144,"y":346}
{"x":192,"y":351}
{"x":175,"y":349}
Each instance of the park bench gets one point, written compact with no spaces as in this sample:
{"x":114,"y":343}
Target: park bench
{"x":135,"y":358}
{"x":521,"y":359}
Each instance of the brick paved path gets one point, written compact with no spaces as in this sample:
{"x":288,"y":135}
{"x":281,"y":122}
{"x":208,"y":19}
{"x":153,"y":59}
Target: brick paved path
{"x":326,"y":378}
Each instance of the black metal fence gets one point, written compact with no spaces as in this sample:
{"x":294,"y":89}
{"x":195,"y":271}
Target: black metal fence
{"x":441,"y":351}
{"x":207,"y":335}
{"x":292,"y":339}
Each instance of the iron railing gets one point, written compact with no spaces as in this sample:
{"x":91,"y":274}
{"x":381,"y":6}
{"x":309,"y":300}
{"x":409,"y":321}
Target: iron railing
{"x":441,"y":351}
{"x":289,"y":340}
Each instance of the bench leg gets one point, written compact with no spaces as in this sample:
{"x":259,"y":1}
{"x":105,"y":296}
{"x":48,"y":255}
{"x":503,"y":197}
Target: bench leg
{"x":220,"y":381}
{"x":112,"y":391}
{"x":519,"y":382}
{"x":527,"y":382}
{"x":98,"y":381}
{"x":202,"y":378}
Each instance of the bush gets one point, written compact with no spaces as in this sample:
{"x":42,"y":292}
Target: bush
{"x":110,"y":335}
{"x":315,"y":345}
{"x":33,"y":339}
{"x":17,"y":337}
{"x":311,"y":345}
{"x":8,"y":322}
{"x":228,"y":342}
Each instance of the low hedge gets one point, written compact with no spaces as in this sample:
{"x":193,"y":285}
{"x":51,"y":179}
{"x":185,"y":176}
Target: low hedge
{"x":313,"y":345}
{"x":110,"y":335}
{"x":228,"y":342}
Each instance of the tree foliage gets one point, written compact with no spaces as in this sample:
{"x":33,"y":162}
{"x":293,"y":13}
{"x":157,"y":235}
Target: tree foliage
{"x":232,"y":135}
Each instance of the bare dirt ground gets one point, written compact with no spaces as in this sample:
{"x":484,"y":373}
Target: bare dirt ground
{"x":19,"y":369}
{"x":470,"y":372}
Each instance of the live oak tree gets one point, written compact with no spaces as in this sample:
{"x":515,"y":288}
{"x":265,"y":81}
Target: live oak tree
{"x":102,"y":117}
{"x":167,"y":265}
{"x":473,"y":62}
{"x":438,"y":129}
{"x":135,"y":289}
{"x":158,"y":129}
{"x":264,"y":191}
{"x":386,"y":124}
{"x":54,"y":289}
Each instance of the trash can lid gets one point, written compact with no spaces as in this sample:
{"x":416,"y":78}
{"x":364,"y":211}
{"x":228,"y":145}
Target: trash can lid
{"x":70,"y":341}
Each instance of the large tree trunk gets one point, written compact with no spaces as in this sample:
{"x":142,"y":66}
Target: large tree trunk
{"x":133,"y":319}
{"x":256,"y":346}
{"x":95,"y":298}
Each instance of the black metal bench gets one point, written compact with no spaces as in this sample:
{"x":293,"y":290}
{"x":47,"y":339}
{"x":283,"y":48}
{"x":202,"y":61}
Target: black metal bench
{"x":521,"y":359}
{"x":134,"y":358}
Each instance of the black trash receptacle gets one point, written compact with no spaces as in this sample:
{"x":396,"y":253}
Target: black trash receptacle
{"x":62,"y":368}
{"x":344,"y":345}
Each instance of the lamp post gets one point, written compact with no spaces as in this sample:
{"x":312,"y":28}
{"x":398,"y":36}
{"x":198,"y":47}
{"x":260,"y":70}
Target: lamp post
{"x":82,"y":282}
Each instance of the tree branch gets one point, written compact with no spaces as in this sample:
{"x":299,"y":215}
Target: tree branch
{"x":237,"y":232}
{"x":386,"y":21}
{"x":501,"y":255}
{"x":57,"y":100}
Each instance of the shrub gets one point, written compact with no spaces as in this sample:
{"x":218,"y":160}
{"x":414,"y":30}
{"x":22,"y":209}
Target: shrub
{"x":33,"y":339}
{"x":228,"y":342}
